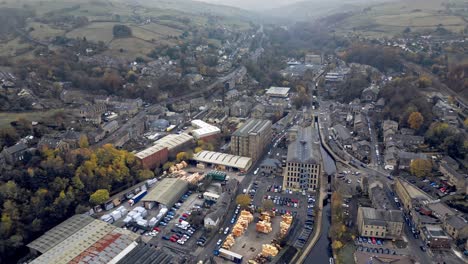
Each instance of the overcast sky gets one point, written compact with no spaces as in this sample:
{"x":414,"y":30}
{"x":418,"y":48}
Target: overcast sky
{"x":253,"y":4}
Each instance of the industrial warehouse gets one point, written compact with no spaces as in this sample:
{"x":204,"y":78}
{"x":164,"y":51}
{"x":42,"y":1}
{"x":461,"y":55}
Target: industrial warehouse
{"x":164,"y":148}
{"x":166,"y":193}
{"x":204,"y":131}
{"x":83,"y":239}
{"x":223,"y":160}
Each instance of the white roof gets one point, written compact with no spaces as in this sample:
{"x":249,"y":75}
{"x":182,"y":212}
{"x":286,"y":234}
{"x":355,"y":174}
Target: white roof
{"x":278,"y":90}
{"x":204,"y":129}
{"x":242,"y":163}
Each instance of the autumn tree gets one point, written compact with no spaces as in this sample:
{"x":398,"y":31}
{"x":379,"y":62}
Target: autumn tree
{"x":415,"y":120}
{"x":145,"y":175}
{"x":420,"y":167}
{"x":83,"y":142}
{"x":198,"y":149}
{"x":243,"y":200}
{"x":267,"y":205}
{"x":167,"y":165}
{"x":183,"y":156}
{"x":424,"y":81}
{"x":99,"y":197}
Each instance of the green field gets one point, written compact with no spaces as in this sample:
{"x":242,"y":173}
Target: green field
{"x":392,"y":18}
{"x":132,"y":48}
{"x":6,"y":118}
{"x":97,"y":31}
{"x":43,"y":32}
{"x":11,"y":47}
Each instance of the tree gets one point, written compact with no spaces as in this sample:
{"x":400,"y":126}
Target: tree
{"x":466,"y":123}
{"x":182,"y":156}
{"x":337,"y":244}
{"x":424,"y":81}
{"x":420,"y":167}
{"x":99,"y":197}
{"x":145,"y":175}
{"x":267,"y":205}
{"x":243,"y":200}
{"x":83,"y":143}
{"x":167,"y":165}
{"x":121,"y":31}
{"x":198,"y":149}
{"x":415,"y":120}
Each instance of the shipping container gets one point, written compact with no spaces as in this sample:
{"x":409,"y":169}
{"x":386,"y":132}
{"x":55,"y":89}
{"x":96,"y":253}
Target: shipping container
{"x":152,"y":222}
{"x":229,"y":255}
{"x":107,"y":218}
{"x":137,"y":197}
{"x":142,"y":223}
{"x":127,"y":219}
{"x":151,"y":182}
{"x":108,"y":206}
{"x":217,"y":175}
{"x":117,"y":202}
{"x":116,"y":215}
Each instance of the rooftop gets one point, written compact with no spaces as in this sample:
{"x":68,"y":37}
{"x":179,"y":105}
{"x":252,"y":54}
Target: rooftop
{"x":457,"y":222}
{"x":282,"y":91}
{"x":373,"y":216}
{"x":165,"y":190}
{"x":305,"y":148}
{"x":435,"y":231}
{"x":60,"y":232}
{"x":342,"y":132}
{"x":145,"y":254}
{"x":413,"y":191}
{"x":75,"y":244}
{"x":252,"y":127}
{"x":170,"y":141}
{"x":233,"y":161}
{"x":204,"y":129}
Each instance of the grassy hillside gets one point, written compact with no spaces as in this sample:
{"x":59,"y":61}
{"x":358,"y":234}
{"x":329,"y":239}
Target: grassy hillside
{"x":392,"y":18}
{"x":153,"y":23}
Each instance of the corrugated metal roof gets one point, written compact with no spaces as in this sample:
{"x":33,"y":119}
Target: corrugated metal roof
{"x":60,"y":232}
{"x":170,"y":142}
{"x":218,"y":158}
{"x":167,"y":192}
{"x":73,"y":245}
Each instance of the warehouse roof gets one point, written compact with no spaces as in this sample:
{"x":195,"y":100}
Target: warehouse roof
{"x":170,"y":141}
{"x":74,"y":245}
{"x":204,"y":129}
{"x":145,"y":254}
{"x":228,"y":160}
{"x":167,"y":192}
{"x":251,"y":127}
{"x":108,"y":247}
{"x":278,"y":91}
{"x":59,"y":233}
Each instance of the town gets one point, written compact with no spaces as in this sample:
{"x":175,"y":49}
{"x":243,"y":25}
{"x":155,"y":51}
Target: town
{"x":248,"y":150}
